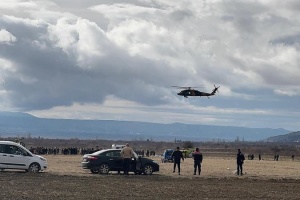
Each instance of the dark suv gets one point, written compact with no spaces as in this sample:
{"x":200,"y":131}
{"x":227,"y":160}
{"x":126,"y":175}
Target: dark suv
{"x":108,"y":160}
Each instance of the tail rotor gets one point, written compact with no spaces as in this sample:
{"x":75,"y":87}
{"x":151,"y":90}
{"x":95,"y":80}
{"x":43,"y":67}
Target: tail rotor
{"x":215,"y":90}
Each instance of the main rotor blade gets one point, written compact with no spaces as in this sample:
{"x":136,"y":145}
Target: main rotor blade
{"x":180,"y":86}
{"x":183,"y":87}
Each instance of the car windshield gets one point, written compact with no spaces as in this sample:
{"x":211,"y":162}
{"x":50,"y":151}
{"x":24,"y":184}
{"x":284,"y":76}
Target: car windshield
{"x":169,"y":152}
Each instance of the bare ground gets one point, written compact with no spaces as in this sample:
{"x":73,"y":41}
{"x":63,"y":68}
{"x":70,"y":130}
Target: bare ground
{"x":65,"y":179}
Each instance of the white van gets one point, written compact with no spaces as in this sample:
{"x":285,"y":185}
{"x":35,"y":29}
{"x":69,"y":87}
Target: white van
{"x":15,"y":156}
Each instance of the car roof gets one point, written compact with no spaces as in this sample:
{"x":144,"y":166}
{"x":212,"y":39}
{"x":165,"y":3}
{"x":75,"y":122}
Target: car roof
{"x":169,"y":150}
{"x":105,"y":150}
{"x":8,"y":142}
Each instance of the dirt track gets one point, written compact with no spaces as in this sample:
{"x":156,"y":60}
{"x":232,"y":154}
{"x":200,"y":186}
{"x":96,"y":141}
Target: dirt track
{"x":66,"y":180}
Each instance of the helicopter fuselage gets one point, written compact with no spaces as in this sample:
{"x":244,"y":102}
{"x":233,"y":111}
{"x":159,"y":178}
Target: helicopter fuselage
{"x":187,"y":93}
{"x":192,"y":92}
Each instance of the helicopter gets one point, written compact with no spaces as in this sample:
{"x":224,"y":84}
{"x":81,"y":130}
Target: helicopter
{"x":189,"y":91}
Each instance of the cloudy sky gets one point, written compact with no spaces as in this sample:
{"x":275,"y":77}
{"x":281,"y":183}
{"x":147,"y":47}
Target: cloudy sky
{"x":117,"y":59}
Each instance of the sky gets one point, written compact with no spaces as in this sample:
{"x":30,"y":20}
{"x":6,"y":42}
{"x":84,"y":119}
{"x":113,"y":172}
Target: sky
{"x":118,"y":60}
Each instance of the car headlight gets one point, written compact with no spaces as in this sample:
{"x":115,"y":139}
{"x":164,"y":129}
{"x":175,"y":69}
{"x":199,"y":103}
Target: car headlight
{"x":43,"y":159}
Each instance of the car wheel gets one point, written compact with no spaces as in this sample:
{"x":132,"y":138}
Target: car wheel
{"x":34,"y":168}
{"x":104,"y":168}
{"x":148,"y":169}
{"x":95,"y":170}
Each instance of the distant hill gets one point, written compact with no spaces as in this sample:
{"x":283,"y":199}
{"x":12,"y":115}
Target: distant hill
{"x":291,"y":137}
{"x":4,"y":115}
{"x":21,"y":124}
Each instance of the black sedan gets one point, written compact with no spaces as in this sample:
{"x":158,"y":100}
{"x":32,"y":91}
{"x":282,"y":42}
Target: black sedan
{"x":108,"y":160}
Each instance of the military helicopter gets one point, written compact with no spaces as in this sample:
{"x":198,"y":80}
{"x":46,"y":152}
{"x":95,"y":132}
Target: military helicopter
{"x":189,"y":91}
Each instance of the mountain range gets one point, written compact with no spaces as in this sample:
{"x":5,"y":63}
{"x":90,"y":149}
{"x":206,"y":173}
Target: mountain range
{"x":291,"y":137}
{"x":13,"y":124}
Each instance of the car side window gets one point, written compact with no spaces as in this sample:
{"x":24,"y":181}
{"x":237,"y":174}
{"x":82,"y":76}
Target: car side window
{"x":113,"y":154}
{"x":109,"y":154}
{"x":117,"y":154}
{"x":2,"y":148}
{"x":16,"y":150}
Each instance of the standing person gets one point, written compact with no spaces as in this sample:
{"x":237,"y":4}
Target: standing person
{"x":127,"y":154}
{"x":197,"y":155}
{"x":239,"y":161}
{"x":143,"y":153}
{"x":259,"y":157}
{"x":176,"y":156}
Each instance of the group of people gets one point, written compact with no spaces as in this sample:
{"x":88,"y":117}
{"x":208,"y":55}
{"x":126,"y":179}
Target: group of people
{"x":198,"y":157}
{"x":63,"y":151}
{"x":177,"y":156}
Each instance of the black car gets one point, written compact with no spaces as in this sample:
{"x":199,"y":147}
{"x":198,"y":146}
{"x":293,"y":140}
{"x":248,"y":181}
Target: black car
{"x":108,"y":160}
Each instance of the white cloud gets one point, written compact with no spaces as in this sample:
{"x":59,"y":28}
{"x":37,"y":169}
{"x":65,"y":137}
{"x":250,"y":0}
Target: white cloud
{"x":288,"y":92}
{"x":6,"y":37}
{"x":121,"y":10}
{"x":6,"y":65}
{"x":22,"y":21}
{"x":78,"y":54}
{"x":18,"y":4}
{"x":117,"y":109}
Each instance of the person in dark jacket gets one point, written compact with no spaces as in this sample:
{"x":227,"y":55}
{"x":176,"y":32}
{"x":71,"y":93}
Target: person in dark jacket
{"x":197,"y":155}
{"x":239,"y":161}
{"x":176,"y":157}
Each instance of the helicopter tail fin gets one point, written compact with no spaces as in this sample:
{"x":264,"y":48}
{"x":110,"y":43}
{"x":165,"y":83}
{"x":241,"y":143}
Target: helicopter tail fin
{"x":215,"y":90}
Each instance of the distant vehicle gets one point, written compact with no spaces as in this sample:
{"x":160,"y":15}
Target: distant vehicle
{"x":15,"y":156}
{"x":187,"y":153}
{"x":189,"y":91}
{"x":117,"y":146}
{"x":108,"y":160}
{"x":167,"y":156}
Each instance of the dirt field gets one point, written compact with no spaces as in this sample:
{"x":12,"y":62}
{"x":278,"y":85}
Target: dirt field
{"x":65,"y":179}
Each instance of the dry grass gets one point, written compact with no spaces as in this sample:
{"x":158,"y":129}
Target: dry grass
{"x":211,"y":167}
{"x":65,"y":179}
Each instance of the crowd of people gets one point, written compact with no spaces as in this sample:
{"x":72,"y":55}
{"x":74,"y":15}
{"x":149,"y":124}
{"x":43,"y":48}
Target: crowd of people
{"x":78,"y":151}
{"x":63,"y":151}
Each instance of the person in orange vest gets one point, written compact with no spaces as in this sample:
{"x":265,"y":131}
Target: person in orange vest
{"x":198,"y":157}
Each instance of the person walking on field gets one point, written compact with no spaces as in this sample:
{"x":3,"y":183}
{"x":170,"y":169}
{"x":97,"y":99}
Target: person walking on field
{"x":176,"y":157}
{"x":127,"y":154}
{"x":197,"y":155}
{"x":239,"y":161}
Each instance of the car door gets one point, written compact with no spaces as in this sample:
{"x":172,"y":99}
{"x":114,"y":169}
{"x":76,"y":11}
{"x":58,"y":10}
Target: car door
{"x":3,"y":156}
{"x":17,"y":158}
{"x":136,"y":164}
{"x":115,"y":159}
